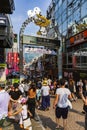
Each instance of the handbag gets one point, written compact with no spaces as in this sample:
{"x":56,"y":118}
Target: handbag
{"x":27,"y":123}
{"x":69,"y":104}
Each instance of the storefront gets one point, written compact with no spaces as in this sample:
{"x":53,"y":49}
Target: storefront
{"x":75,"y":64}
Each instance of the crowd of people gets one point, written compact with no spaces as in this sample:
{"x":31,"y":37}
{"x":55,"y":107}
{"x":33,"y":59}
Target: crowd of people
{"x":19,"y":101}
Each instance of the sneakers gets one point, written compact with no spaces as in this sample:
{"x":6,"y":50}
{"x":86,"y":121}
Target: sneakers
{"x":58,"y":128}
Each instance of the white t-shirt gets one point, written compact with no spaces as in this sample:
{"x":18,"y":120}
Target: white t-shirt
{"x":49,"y":81}
{"x":23,"y":114}
{"x":63,"y":96}
{"x":21,"y":88}
{"x":45,"y":90}
{"x":24,"y":111}
{"x":4,"y":102}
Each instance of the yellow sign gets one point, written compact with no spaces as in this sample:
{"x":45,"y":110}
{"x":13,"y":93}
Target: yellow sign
{"x":15,"y":81}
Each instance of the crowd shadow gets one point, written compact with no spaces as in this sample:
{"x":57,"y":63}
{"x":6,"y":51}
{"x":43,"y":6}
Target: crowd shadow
{"x":48,"y":122}
{"x":10,"y":124}
{"x":77,"y":112}
{"x":15,"y":124}
{"x":81,"y":123}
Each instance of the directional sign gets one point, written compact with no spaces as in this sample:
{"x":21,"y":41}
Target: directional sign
{"x":41,"y":41}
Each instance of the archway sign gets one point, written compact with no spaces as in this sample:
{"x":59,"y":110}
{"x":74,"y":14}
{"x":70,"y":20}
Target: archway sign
{"x":41,"y":21}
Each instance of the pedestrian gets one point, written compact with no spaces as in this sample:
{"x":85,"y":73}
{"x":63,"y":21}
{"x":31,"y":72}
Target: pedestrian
{"x":84,"y":98}
{"x":31,"y":101}
{"x":61,"y":105}
{"x":72,"y":89}
{"x":45,"y":90}
{"x":5,"y":106}
{"x":15,"y":96}
{"x":38,"y":97}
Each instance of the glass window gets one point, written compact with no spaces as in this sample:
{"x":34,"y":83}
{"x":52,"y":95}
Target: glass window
{"x":69,"y":1}
{"x":59,"y":11}
{"x":84,"y":59}
{"x":82,"y":1}
{"x":70,"y":9}
{"x":70,"y":19}
{"x":78,"y":60}
{"x":84,"y":10}
{"x":60,"y":29}
{"x":64,"y":16}
{"x":84,"y":45}
{"x":69,"y":58}
{"x":59,"y":20}
{"x":56,"y":7}
{"x":64,"y":26}
{"x":65,"y":33}
{"x":76,"y":4}
{"x":64,"y":5}
{"x":60,"y":2}
{"x":76,"y":15}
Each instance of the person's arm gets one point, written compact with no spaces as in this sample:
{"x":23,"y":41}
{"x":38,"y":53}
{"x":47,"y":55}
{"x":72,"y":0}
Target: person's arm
{"x":81,"y":94}
{"x":55,"y":101}
{"x":70,"y":97}
{"x":13,"y":100}
{"x":9,"y":108}
{"x":15,"y":113}
{"x":30,"y":113}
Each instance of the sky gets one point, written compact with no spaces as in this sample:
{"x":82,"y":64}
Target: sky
{"x":20,"y":14}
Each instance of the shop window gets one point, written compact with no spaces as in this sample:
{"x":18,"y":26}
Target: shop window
{"x":84,"y":10}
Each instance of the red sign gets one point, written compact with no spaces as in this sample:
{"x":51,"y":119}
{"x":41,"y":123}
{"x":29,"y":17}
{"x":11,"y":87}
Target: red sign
{"x":13,"y":61}
{"x":78,"y":38}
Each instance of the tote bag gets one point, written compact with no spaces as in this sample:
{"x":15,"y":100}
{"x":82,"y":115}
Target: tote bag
{"x":69,"y":104}
{"x":27,"y":123}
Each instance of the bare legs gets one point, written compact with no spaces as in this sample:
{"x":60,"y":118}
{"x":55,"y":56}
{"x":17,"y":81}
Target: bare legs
{"x":64,"y":123}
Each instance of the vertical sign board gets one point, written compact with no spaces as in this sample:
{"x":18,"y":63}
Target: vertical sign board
{"x":2,"y":72}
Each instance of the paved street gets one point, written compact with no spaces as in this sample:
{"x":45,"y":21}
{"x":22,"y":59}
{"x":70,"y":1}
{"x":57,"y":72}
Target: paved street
{"x":47,"y":119}
{"x":75,"y":118}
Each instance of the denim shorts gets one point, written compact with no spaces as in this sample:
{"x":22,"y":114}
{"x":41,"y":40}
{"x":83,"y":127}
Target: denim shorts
{"x":61,"y":112}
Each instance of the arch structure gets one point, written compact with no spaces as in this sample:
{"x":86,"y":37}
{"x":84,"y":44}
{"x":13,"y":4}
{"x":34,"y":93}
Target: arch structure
{"x":39,"y":20}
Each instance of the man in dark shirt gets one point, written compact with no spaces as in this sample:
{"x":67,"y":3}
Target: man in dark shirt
{"x":15,"y":95}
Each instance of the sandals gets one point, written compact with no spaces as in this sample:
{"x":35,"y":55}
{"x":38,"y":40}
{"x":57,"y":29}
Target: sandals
{"x":58,"y":128}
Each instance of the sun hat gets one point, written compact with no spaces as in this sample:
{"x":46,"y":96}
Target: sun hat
{"x":45,"y":83}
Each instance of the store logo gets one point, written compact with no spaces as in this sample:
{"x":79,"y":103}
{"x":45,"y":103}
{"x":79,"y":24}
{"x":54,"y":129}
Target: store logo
{"x":82,"y":52}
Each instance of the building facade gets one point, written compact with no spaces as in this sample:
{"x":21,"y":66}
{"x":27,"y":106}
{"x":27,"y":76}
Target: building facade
{"x":71,"y":19}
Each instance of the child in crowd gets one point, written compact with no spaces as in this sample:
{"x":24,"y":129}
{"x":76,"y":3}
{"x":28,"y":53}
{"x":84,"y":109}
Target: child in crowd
{"x":23,"y":112}
{"x":38,"y":97}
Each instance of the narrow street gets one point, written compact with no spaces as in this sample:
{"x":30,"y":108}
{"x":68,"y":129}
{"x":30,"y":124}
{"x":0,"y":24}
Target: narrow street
{"x":75,"y":117}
